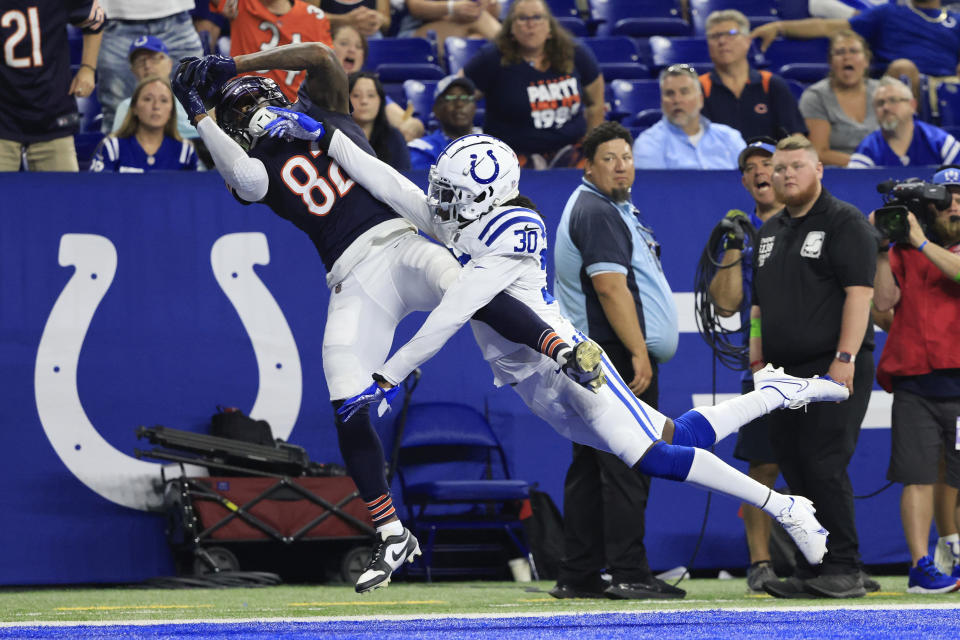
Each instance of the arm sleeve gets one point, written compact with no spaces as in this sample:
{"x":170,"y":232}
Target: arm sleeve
{"x":246,"y":176}
{"x":383,"y":182}
{"x":867,"y":23}
{"x":812,"y":105}
{"x":603,"y":242}
{"x":476,"y":285}
{"x":853,"y":252}
{"x":586,"y":63}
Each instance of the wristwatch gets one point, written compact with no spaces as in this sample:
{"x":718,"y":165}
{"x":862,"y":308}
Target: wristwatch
{"x":845,"y":356}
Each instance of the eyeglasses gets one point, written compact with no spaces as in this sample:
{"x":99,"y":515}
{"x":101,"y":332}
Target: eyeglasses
{"x":680,"y":69}
{"x":881,"y":102}
{"x":717,"y":36}
{"x":843,"y":52}
{"x":462,"y":98}
{"x":536,"y":18}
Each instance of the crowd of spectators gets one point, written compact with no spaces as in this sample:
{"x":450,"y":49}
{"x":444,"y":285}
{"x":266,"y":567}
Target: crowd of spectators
{"x":542,"y":90}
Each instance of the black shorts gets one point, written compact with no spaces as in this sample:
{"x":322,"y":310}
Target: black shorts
{"x":753,"y":439}
{"x":923,"y":430}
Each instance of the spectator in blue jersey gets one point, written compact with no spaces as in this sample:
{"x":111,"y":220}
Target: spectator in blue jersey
{"x":840,"y":8}
{"x":168,"y":20}
{"x":148,"y":58}
{"x":544,"y":90}
{"x":369,"y":111}
{"x":38,"y":112}
{"x":902,"y":140}
{"x":685,"y":139}
{"x":914,"y":38}
{"x":454,"y":105}
{"x":755,"y":103}
{"x":148,"y":139}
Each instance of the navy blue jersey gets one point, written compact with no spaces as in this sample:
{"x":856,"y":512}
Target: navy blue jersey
{"x":311,"y":190}
{"x":35,"y":68}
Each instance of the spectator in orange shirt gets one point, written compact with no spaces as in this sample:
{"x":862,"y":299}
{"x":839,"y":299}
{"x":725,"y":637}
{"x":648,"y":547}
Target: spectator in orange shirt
{"x":259,"y":25}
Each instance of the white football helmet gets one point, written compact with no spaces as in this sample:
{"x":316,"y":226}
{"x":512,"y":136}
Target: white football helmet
{"x":472,"y":176}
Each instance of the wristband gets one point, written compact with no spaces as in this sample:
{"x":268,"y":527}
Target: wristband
{"x":754,"y":327}
{"x":920,"y":248}
{"x":755,"y":363}
{"x":89,"y":66}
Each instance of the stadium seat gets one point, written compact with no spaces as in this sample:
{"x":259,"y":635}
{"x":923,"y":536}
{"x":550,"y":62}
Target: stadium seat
{"x":85,"y":144}
{"x":808,"y":72}
{"x":638,"y":18}
{"x":630,"y":97}
{"x":783,"y":52}
{"x":398,"y":59}
{"x":420,"y":94}
{"x":576,"y":26}
{"x":624,"y":71}
{"x":91,"y":116}
{"x":948,"y":101}
{"x":692,"y":51}
{"x":612,"y":49}
{"x":453,"y":475}
{"x":457,"y":51}
{"x":797,"y":88}
{"x":794,"y":9}
{"x":643,"y":120}
{"x":758,"y":12}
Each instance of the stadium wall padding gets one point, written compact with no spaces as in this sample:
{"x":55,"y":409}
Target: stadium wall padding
{"x":117,"y":276}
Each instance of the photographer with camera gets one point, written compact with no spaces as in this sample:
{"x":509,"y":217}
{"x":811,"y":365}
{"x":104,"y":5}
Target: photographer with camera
{"x":919,"y":279}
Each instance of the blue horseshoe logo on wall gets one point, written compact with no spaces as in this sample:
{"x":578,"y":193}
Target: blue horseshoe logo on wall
{"x":473,"y":167}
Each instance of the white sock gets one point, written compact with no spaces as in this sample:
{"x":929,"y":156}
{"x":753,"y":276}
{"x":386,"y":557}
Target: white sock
{"x":710,"y":472}
{"x":728,"y":416}
{"x":392,"y":528}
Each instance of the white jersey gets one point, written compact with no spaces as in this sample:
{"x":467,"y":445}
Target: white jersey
{"x":504,"y":250}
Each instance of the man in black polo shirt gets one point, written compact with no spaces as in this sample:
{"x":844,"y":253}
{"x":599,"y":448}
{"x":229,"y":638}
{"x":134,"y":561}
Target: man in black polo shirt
{"x":815,"y":264}
{"x":756,"y":103}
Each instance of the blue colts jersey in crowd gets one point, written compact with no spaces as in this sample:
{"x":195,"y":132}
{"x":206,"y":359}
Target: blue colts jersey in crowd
{"x":309,"y":189}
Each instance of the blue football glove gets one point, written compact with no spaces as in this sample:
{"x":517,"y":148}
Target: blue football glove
{"x":372,"y":394}
{"x":207,"y":74}
{"x":293,"y":125}
{"x":188,"y":96}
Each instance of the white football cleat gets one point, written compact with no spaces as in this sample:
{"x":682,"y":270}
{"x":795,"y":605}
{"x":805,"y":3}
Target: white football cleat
{"x":388,"y":555}
{"x":798,"y":520}
{"x":799,"y":392}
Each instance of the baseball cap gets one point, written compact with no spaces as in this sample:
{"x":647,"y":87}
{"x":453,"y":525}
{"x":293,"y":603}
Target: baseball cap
{"x":764,"y":145}
{"x":150,"y":43}
{"x":454,"y":81}
{"x":949,"y":176}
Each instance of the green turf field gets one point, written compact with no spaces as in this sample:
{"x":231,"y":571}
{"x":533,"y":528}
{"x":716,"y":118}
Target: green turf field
{"x":129,"y":603}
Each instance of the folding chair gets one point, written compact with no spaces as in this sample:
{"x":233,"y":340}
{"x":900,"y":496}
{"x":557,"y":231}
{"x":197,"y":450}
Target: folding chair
{"x":630,"y":97}
{"x":638,"y":18}
{"x":453,"y":474}
{"x":398,"y":59}
{"x":692,"y":51}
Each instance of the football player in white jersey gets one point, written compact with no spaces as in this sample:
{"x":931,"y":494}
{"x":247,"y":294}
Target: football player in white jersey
{"x":474,"y":207}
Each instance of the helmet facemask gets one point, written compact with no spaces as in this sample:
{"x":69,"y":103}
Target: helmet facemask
{"x":242,"y":113}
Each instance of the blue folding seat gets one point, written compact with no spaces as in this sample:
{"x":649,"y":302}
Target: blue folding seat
{"x":692,"y":51}
{"x":948,"y":101}
{"x":803,"y":60}
{"x":457,"y":51}
{"x":630,"y":97}
{"x":758,"y":12}
{"x":638,"y":17}
{"x":398,"y":59}
{"x":618,"y":57}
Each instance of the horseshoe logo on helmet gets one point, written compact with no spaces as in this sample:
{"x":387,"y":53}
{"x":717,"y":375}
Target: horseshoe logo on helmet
{"x":473,"y":167}
{"x":107,"y":471}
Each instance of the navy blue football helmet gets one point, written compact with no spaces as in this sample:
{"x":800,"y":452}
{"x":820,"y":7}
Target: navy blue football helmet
{"x":241,"y":109}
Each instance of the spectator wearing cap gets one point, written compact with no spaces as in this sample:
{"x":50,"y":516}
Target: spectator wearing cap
{"x":454,"y":105}
{"x":168,"y":20}
{"x":149,"y":57}
{"x":755,"y":103}
{"x":918,"y":279}
{"x":684,"y":138}
{"x":730,"y":292}
{"x":902,"y":140}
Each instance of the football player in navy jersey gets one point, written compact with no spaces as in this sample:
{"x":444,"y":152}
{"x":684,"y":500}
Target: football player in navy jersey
{"x":378,"y":268}
{"x":38,"y":111}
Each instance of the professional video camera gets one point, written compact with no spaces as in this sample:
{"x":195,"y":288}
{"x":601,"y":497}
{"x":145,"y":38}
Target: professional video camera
{"x":911,"y":195}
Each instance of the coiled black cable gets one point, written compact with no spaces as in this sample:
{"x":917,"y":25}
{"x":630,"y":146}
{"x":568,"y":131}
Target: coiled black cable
{"x":725,"y":343}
